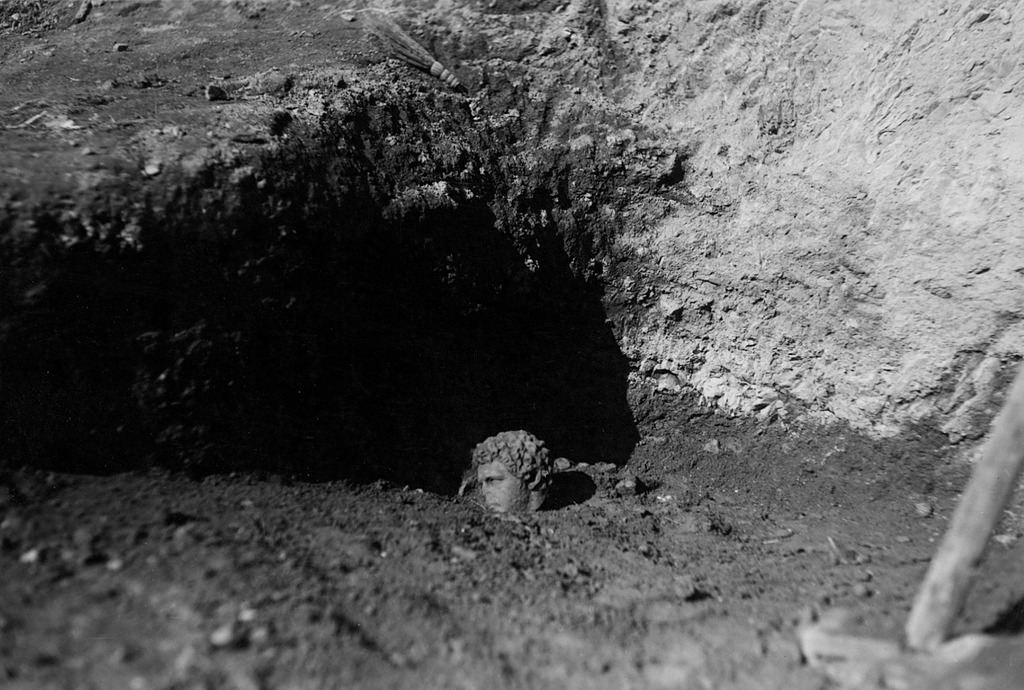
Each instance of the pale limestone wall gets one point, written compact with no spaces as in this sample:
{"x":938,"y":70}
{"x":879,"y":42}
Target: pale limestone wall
{"x":857,"y":241}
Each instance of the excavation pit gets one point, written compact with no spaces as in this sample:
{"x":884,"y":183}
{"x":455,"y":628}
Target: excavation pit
{"x":264,"y":289}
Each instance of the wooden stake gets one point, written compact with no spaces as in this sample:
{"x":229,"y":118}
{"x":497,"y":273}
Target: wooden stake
{"x":83,"y":12}
{"x":981,"y":505}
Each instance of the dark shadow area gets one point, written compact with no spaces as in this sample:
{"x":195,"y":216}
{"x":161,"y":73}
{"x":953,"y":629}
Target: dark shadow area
{"x":350,"y":318}
{"x":438,"y":342}
{"x":569,"y":488}
{"x":1010,"y":622}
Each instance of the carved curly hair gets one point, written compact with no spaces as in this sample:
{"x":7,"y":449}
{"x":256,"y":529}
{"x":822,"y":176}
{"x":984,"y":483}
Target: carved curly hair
{"x":523,"y":455}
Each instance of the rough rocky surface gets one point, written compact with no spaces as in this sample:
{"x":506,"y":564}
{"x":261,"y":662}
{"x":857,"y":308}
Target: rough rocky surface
{"x":262,"y":290}
{"x":852,"y":246}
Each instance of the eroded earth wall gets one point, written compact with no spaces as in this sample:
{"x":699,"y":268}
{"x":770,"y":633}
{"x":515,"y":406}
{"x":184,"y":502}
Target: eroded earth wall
{"x":854,"y":247}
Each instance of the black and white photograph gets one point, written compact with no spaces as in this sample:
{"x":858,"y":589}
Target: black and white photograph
{"x":511,"y":344}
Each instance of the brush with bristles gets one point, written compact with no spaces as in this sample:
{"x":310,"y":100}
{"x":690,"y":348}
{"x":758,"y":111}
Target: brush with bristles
{"x":405,"y":48}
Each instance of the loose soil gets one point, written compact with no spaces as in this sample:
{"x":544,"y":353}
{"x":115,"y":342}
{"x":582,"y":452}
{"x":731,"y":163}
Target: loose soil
{"x":157,"y":580}
{"x":137,"y":553}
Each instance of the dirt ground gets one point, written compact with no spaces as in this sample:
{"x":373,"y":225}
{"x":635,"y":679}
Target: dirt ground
{"x":154,"y":580}
{"x":736,"y":526}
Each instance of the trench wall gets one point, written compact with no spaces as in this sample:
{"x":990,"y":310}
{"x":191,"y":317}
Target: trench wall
{"x":853,"y":248}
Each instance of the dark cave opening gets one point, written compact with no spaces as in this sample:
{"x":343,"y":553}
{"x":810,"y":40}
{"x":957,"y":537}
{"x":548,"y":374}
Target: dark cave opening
{"x":347,"y":318}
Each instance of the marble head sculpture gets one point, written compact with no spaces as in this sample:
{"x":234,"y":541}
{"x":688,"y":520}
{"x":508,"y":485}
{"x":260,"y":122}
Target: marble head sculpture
{"x":511,"y":471}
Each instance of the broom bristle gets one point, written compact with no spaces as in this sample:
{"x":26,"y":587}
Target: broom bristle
{"x":404,"y":47}
{"x":396,"y":40}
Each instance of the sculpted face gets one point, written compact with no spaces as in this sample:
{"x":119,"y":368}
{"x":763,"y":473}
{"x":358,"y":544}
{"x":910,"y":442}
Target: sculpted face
{"x":504,"y":492}
{"x":511,"y":470}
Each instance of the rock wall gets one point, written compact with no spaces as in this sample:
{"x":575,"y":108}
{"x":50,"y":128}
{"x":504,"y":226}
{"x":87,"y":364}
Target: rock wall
{"x":853,"y":248}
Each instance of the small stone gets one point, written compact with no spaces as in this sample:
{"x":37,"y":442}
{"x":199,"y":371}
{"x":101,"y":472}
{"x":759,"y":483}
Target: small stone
{"x":668,"y":382}
{"x":30,"y":556}
{"x":227,"y":635}
{"x":120,"y":47}
{"x":626,"y":487}
{"x":671,"y":307}
{"x":903,"y":540}
{"x":712,"y":446}
{"x":778,"y":534}
{"x":604,"y":467}
{"x":151,"y":169}
{"x":562,"y":464}
{"x":923,"y":509}
{"x":216,"y":93}
{"x":260,"y":635}
{"x":222,"y":636}
{"x":181,"y":536}
{"x":1005,"y":539}
{"x":115,"y":564}
{"x":772,"y":410}
{"x":861,"y":590}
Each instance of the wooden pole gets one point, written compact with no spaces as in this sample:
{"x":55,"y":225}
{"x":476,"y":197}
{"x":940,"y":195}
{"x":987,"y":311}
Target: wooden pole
{"x":992,"y":482}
